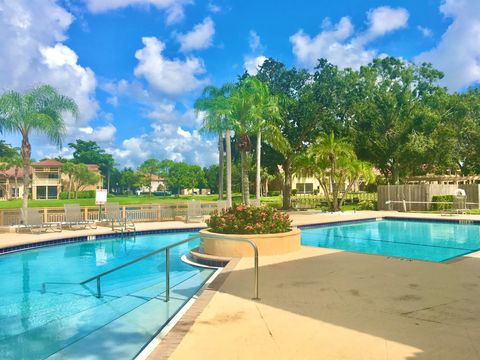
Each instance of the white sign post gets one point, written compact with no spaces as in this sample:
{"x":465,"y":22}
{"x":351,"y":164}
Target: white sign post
{"x":100,"y":199}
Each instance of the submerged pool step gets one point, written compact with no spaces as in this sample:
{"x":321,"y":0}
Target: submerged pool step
{"x":124,"y":337}
{"x":31,"y":343}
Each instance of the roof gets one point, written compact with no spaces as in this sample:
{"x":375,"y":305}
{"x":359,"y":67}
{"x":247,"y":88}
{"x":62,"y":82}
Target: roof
{"x":48,"y":162}
{"x":10,"y":173}
{"x":92,"y":167}
{"x":154,"y":177}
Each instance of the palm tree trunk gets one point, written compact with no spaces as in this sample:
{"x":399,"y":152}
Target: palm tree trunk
{"x":17,"y":192}
{"x":221,"y":154}
{"x":259,"y":156}
{"x":287,"y":186}
{"x":228,"y":145}
{"x":69,"y":186}
{"x":245,"y":183}
{"x":26,"y":154}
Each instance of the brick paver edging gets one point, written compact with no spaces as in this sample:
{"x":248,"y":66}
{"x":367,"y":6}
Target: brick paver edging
{"x":175,"y":336}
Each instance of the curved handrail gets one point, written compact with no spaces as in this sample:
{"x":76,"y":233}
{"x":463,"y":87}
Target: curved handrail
{"x":167,"y":265}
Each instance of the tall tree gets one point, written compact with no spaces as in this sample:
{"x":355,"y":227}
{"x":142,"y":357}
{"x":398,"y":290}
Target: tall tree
{"x":149,"y":168}
{"x":83,"y":177}
{"x":300,"y":118}
{"x":88,"y":152}
{"x":40,"y":111}
{"x":393,"y":115}
{"x":214,"y":103}
{"x":69,"y":169}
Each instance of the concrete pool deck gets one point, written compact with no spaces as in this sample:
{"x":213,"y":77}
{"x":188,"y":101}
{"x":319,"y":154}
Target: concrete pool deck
{"x":326,"y":304}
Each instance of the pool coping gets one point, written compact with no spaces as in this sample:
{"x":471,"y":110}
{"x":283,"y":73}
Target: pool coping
{"x":82,"y":238}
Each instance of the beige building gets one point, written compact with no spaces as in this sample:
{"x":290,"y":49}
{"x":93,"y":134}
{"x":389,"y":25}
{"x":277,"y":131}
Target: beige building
{"x":310,"y":185}
{"x":8,"y":189}
{"x":48,"y":180}
{"x":157,"y":183}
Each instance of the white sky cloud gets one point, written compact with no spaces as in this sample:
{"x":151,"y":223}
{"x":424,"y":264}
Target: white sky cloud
{"x":252,"y":64}
{"x":458,"y":52}
{"x":340,"y":45}
{"x":426,"y":32}
{"x":32,"y":35}
{"x":167,"y":141}
{"x":253,"y":40}
{"x":168,"y":76}
{"x":173,"y":8}
{"x":199,"y":38}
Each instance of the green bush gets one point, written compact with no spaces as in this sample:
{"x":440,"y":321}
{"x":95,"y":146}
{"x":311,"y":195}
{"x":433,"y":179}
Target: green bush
{"x":294,"y":192}
{"x":442,"y":198}
{"x":367,"y":205}
{"x":241,"y":219}
{"x":89,"y":194}
{"x":274,"y":193}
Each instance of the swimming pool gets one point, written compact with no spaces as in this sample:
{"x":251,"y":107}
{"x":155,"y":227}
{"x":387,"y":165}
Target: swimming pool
{"x":67,"y":321}
{"x":423,"y":240}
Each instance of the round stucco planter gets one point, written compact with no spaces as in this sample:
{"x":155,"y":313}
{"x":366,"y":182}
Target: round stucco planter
{"x":267,"y":244}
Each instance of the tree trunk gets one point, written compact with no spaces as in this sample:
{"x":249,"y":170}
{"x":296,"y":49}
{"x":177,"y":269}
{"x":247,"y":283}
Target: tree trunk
{"x":17,"y":192}
{"x":266,"y":187}
{"x":221,"y":155}
{"x":26,"y":154}
{"x":245,"y":182}
{"x":287,"y":186}
{"x":258,"y":168}
{"x":69,"y":187}
{"x":228,"y":144}
{"x":108,"y":180}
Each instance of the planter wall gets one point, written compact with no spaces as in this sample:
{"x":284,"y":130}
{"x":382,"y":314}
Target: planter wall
{"x":267,"y":244}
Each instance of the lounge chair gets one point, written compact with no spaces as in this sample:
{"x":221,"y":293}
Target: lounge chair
{"x":194,"y":211}
{"x":113,"y":216}
{"x":33,"y":221}
{"x":74,"y":218}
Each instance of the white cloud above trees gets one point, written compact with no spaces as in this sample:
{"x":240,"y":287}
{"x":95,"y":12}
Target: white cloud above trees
{"x":199,"y":38}
{"x":340,"y":44}
{"x":458,"y":52}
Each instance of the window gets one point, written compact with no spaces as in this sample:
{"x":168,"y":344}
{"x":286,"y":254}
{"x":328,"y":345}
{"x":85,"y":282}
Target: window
{"x":304,"y":188}
{"x":14,"y":192}
{"x":46,"y":192}
{"x":53,"y":175}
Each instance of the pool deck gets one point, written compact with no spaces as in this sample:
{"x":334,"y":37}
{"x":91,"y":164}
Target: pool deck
{"x":326,"y":304}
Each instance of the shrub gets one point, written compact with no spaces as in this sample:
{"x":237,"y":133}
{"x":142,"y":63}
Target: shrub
{"x":367,"y":205}
{"x":442,"y":198}
{"x":294,"y":192}
{"x":274,"y":193}
{"x":89,"y":194}
{"x":243,"y":219}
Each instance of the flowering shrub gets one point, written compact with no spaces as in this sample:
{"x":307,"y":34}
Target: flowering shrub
{"x":243,"y":219}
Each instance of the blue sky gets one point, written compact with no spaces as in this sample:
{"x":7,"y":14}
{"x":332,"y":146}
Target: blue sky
{"x":136,"y":66}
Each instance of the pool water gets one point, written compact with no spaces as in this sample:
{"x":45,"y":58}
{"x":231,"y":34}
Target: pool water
{"x":423,"y":240}
{"x":67,"y":321}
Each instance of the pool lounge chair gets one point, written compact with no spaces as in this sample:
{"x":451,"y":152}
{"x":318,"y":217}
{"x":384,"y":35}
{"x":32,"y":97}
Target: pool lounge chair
{"x":113,"y":217}
{"x":33,"y":221}
{"x":194,"y":211}
{"x":74,"y":219}
{"x":255,"y":203}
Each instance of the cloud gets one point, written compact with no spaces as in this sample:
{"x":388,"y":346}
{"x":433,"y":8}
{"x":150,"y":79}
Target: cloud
{"x":199,"y":38}
{"x":170,"y":77}
{"x":254,"y":40}
{"x":252,"y":64}
{"x":33,"y":32}
{"x":173,"y":8}
{"x":213,"y":8}
{"x":458,"y":52}
{"x":340,"y":45}
{"x":167,"y":141}
{"x":101,"y":134}
{"x":426,"y":32}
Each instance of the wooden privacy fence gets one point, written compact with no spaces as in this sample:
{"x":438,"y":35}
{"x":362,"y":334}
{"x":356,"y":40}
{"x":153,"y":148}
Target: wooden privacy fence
{"x":136,"y":213}
{"x":421,"y":195}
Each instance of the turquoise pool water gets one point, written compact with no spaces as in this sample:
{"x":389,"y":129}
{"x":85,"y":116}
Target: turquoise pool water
{"x":67,"y":321}
{"x":423,"y":240}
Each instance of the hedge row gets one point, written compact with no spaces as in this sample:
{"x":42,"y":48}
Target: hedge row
{"x":89,"y":194}
{"x":441,"y":199}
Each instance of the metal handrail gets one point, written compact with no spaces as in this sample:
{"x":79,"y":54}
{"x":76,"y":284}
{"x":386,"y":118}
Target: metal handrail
{"x":167,"y":263}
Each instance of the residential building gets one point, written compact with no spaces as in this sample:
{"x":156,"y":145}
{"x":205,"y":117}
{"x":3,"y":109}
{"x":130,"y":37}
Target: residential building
{"x":8,"y":189}
{"x":157,"y":183}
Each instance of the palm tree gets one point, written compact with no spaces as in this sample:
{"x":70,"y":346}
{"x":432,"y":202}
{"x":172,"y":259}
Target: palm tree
{"x":334,"y":163}
{"x":40,"y":111}
{"x":215,"y":105}
{"x":69,"y":169}
{"x":266,"y":122}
